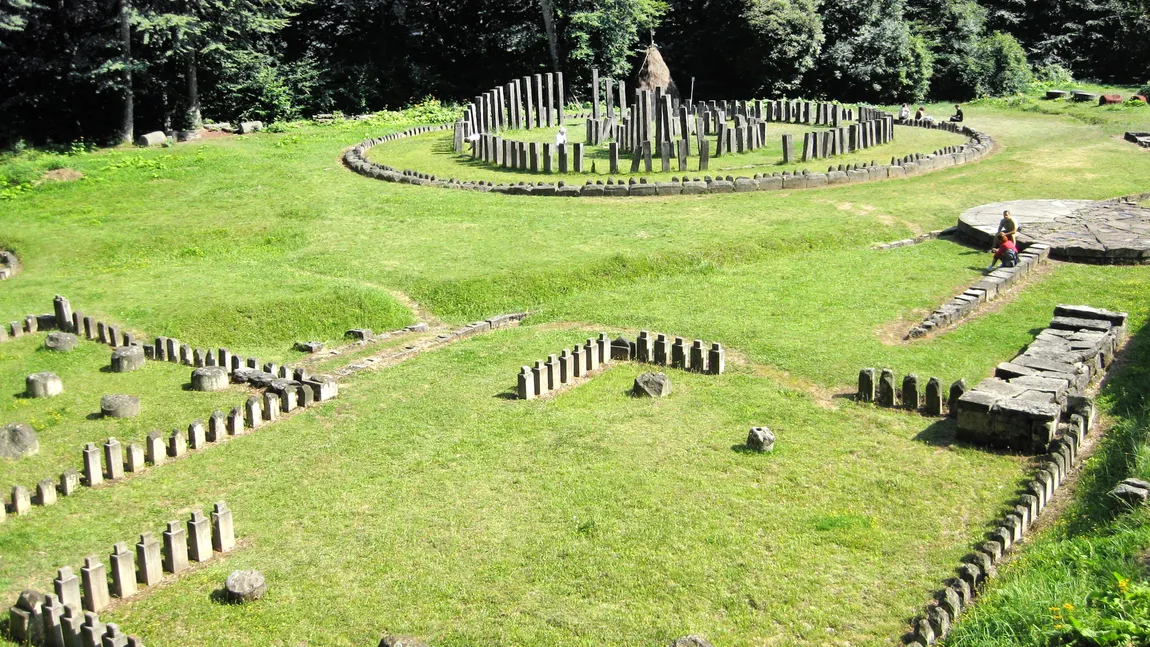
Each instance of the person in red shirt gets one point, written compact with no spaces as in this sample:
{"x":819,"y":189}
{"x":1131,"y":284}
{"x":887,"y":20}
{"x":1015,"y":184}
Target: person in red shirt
{"x":1006,"y":252}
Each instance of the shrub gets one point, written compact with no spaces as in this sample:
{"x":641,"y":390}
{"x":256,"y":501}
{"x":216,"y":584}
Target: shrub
{"x":1052,"y":76}
{"x":1000,"y":66}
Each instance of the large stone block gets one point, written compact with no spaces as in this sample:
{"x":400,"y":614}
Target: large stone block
{"x":18,"y":440}
{"x":120,"y":406}
{"x":43,"y":385}
{"x":127,"y":358}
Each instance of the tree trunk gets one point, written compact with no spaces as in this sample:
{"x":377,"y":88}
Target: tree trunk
{"x":127,"y":126}
{"x":195,"y":120}
{"x":549,"y":27}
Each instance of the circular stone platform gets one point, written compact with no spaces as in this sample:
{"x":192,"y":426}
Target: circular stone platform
{"x":1076,"y":230}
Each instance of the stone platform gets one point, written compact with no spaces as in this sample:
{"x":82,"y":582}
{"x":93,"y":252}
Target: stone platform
{"x":1083,"y":231}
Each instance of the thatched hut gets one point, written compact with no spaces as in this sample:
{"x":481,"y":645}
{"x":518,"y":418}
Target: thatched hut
{"x":653,"y":73}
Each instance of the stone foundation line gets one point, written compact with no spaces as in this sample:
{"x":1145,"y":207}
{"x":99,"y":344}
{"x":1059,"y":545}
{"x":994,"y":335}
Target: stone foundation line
{"x":70,"y":615}
{"x":977,"y":146}
{"x":986,"y":289}
{"x":9,"y":265}
{"x":285,"y":390}
{"x":475,"y":328}
{"x":549,"y":375}
{"x":921,"y":238}
{"x":1025,"y":408}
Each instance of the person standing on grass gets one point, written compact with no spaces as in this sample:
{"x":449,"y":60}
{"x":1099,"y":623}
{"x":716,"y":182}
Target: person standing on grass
{"x":1008,"y":227}
{"x":957,"y":118}
{"x":1006,"y":252}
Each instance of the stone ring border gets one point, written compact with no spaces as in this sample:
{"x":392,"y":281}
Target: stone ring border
{"x":978,"y":145}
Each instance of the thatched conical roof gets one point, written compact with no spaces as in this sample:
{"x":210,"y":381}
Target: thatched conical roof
{"x":653,"y":73}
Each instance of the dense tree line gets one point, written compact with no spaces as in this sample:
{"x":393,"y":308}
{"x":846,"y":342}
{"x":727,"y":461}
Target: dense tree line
{"x":101,"y":69}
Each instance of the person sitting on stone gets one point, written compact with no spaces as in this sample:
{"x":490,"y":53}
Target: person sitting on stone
{"x":904,"y":113}
{"x":561,"y":136}
{"x":1008,"y":227}
{"x":957,"y":118}
{"x":920,"y":114}
{"x":1006,"y":252}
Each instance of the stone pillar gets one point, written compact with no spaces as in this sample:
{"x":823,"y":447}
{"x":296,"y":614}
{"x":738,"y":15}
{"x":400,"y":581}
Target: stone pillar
{"x":113,"y":460}
{"x":123,"y":571}
{"x":199,"y":537}
{"x":72,"y":624}
{"x":578,"y":361}
{"x":175,"y":547}
{"x":67,"y":586}
{"x":21,"y":500}
{"x":647,"y":166}
{"x":886,"y":393}
{"x":177,"y":444}
{"x":704,"y":154}
{"x":549,"y":92}
{"x":866,"y":390}
{"x":525,"y":384}
{"x":154,"y":450}
{"x":591,"y":355}
{"x":644,"y":351}
{"x":271,"y":406}
{"x":92,"y":631}
{"x":679,"y":354}
{"x":910,"y":394}
{"x":547,"y":157}
{"x":716,"y":359}
{"x":148,"y":560}
{"x":223,"y":534}
{"x":539,"y":378}
{"x":63,"y":311}
{"x":253,"y":412}
{"x":662,"y":352}
{"x":559,"y":116}
{"x":93,"y":471}
{"x":69,"y":482}
{"x":113,"y":637}
{"x":956,"y":391}
{"x":45,"y":494}
{"x":698,"y":358}
{"x":613,"y":157}
{"x":95,"y":580}
{"x":595,"y":94}
{"x":533,"y":156}
{"x":216,"y":431}
{"x":551,"y":372}
{"x":577,"y":157}
{"x":51,"y":614}
{"x":235,"y":422}
{"x":933,"y":405}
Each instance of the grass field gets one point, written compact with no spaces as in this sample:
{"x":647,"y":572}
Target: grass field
{"x":423,"y":501}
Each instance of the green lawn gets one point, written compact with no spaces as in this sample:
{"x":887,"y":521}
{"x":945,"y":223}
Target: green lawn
{"x":423,"y":501}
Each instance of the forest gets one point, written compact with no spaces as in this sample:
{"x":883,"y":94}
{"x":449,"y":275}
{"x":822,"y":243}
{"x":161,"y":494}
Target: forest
{"x":100,"y":70}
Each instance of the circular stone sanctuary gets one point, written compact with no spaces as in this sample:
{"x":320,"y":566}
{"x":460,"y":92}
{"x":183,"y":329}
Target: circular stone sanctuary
{"x":1110,"y":232}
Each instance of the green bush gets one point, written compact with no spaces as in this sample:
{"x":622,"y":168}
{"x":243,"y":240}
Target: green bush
{"x":1000,"y":66}
{"x":1052,"y":76}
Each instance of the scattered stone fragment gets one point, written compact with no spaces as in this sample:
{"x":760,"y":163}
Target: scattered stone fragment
{"x":1131,"y":494}
{"x":309,"y":346}
{"x":692,"y":641}
{"x":359,"y":334}
{"x":761,"y":439}
{"x":120,"y":406}
{"x":18,"y":440}
{"x":401,"y":641}
{"x":245,"y":586}
{"x":654,"y":385}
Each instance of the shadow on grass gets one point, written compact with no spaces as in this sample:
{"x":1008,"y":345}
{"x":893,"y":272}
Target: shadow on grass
{"x":940,"y":433}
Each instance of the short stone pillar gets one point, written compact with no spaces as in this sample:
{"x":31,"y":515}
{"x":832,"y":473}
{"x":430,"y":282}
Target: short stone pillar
{"x":93,"y":470}
{"x":253,"y":412}
{"x":716,"y":359}
{"x":933,"y":402}
{"x":197,"y":437}
{"x":271,"y":406}
{"x":92,"y":631}
{"x":957,"y":389}
{"x":21,"y":500}
{"x":644,"y":351}
{"x":210,"y":378}
{"x":67,"y":586}
{"x":43,"y":385}
{"x":698,"y":358}
{"x":123,"y":571}
{"x":120,"y":406}
{"x":235,"y":422}
{"x":662,"y":355}
{"x":761,"y":439}
{"x":199,"y":537}
{"x":886,"y":394}
{"x":175,"y":547}
{"x":113,"y":637}
{"x":590,"y":356}
{"x":63,"y":311}
{"x":910,"y":395}
{"x":95,"y":580}
{"x":177,"y":444}
{"x":539,"y":378}
{"x":867,"y":386}
{"x":113,"y":460}
{"x":46,"y":492}
{"x":217,"y":429}
{"x":154,"y":450}
{"x":679,"y":355}
{"x":127,"y":358}
{"x":223,"y":534}
{"x":148,"y":560}
{"x":69,"y":482}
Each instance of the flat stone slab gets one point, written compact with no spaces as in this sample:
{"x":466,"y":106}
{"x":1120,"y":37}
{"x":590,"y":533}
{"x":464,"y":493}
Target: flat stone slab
{"x":120,"y":406}
{"x":1076,"y":230}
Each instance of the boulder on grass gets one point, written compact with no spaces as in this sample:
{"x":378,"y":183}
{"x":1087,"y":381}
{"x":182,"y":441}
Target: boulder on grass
{"x":654,"y":385}
{"x":61,"y":342}
{"x":156,"y":138}
{"x":127,"y":358}
{"x":18,"y":440}
{"x":761,"y":439}
{"x":245,"y":586}
{"x":120,"y":406}
{"x":1131,"y":494}
{"x":43,"y":385}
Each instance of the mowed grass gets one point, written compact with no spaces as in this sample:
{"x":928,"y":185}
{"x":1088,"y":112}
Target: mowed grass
{"x":424,"y":501}
{"x":64,"y":423}
{"x":444,"y":510}
{"x":433,"y":153}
